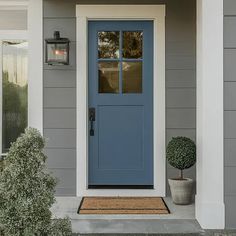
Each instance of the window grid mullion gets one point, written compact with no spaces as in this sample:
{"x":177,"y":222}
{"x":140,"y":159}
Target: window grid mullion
{"x":121,"y":66}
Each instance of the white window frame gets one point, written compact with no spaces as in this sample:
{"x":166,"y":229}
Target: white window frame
{"x":14,"y":5}
{"x":34,"y":36}
{"x":156,"y":13}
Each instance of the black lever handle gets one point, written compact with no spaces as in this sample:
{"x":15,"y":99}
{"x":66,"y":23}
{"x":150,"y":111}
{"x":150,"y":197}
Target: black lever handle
{"x":92,"y":115}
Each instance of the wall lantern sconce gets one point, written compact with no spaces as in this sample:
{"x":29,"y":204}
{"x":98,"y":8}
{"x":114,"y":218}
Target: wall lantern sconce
{"x":57,"y":50}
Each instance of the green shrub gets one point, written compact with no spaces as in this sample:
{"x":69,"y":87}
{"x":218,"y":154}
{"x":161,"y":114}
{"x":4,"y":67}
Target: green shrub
{"x":27,"y":190}
{"x":1,"y":167}
{"x":181,"y":153}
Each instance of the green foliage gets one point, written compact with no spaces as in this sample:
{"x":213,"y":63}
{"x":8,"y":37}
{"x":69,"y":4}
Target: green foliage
{"x":181,"y":153}
{"x":60,"y":227}
{"x":27,"y":190}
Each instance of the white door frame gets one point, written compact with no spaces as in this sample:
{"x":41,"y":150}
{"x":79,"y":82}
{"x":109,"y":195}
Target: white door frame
{"x":84,"y":13}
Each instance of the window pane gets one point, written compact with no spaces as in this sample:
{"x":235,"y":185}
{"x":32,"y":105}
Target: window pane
{"x":132,"y":44}
{"x":14,"y":91}
{"x":108,"y":44}
{"x":132,"y":77}
{"x":57,"y":52}
{"x":108,"y":73}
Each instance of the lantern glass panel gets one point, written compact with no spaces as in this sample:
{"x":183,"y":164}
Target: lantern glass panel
{"x":57,"y":53}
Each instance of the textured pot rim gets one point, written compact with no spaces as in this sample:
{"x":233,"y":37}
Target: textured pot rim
{"x":185,"y":179}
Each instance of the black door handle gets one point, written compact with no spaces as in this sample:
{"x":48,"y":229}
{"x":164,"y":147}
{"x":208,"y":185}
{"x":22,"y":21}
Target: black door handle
{"x":92,"y":115}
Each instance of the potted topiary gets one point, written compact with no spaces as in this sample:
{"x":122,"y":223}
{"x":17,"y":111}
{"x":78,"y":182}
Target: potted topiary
{"x":181,"y":154}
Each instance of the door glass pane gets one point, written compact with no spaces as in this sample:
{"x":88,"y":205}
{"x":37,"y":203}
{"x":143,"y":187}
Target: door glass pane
{"x":108,"y":75}
{"x":108,"y":44}
{"x":14,"y":91}
{"x":132,"y":44}
{"x":132,"y":77}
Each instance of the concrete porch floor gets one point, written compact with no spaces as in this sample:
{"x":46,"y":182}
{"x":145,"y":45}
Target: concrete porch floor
{"x":180,"y":221}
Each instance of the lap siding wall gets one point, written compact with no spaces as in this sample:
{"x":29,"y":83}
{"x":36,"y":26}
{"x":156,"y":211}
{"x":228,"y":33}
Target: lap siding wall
{"x":230,"y":110}
{"x":60,"y":83}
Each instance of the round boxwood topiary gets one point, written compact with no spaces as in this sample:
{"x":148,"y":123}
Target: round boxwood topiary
{"x":181,"y":153}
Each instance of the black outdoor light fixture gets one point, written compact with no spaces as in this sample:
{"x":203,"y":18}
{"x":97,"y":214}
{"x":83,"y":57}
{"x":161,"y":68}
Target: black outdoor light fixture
{"x":57,"y":50}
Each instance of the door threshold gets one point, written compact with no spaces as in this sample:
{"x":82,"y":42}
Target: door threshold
{"x":120,"y":187}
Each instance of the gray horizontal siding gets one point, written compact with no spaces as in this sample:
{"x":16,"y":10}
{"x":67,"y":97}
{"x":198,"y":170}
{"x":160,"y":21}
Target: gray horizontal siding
{"x":230,"y":209}
{"x":66,"y":26}
{"x":230,"y":186}
{"x":59,"y":97}
{"x":66,"y":180}
{"x":60,"y":138}
{"x":180,"y":78}
{"x":229,"y":124}
{"x":59,"y":78}
{"x":61,"y":158}
{"x":229,"y":7}
{"x":230,"y":152}
{"x":60,"y":118}
{"x":229,"y":64}
{"x":182,"y":47}
{"x":60,"y":81}
{"x":230,"y":111}
{"x":180,"y":81}
{"x":180,"y":62}
{"x":179,"y":118}
{"x":230,"y":96}
{"x":230,"y":32}
{"x":190,"y":133}
{"x":176,"y":97}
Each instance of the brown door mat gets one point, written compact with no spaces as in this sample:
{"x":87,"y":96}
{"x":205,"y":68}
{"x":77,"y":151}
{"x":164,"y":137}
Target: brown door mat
{"x":123,"y":205}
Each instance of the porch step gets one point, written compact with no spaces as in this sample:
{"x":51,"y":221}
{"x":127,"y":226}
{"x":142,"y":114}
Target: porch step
{"x":137,"y":227}
{"x":203,"y":233}
{"x":144,"y":234}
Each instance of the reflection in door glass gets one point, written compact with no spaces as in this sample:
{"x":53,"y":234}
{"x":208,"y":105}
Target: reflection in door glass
{"x":108,"y":75}
{"x":14,"y":91}
{"x":132,"y":44}
{"x":132,"y":77}
{"x":108,"y":44}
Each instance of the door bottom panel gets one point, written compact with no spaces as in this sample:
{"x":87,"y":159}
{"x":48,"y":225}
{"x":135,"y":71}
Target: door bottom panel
{"x":120,"y":187}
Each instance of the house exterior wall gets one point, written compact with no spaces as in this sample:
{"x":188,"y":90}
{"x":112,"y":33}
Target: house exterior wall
{"x":60,"y":84}
{"x":230,"y":111}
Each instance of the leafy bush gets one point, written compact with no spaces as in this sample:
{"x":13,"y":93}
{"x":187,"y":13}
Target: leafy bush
{"x":27,"y":191}
{"x":181,"y":153}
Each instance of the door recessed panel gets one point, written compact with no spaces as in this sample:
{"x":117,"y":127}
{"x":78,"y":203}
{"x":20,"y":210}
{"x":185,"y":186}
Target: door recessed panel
{"x":120,"y":137}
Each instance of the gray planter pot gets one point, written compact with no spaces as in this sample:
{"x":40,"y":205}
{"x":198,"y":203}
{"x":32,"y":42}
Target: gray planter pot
{"x":181,"y":191}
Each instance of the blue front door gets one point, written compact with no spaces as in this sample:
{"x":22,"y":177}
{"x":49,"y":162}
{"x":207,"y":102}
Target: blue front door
{"x":120,"y":104}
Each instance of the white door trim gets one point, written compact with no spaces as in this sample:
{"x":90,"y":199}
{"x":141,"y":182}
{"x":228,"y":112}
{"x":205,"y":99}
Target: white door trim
{"x":84,"y":13}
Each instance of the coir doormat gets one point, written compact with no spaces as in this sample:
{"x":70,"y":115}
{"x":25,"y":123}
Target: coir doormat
{"x":123,"y":205}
